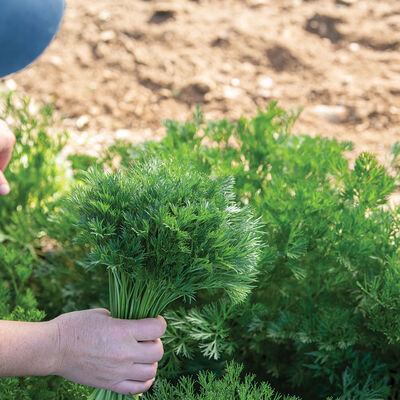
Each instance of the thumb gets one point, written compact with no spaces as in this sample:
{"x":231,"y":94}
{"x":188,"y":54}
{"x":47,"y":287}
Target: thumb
{"x":4,"y":186}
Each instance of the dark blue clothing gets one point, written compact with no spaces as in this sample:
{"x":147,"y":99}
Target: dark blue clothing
{"x":26,"y":29}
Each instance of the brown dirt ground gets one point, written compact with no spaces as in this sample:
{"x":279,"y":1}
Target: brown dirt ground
{"x":118,"y":68}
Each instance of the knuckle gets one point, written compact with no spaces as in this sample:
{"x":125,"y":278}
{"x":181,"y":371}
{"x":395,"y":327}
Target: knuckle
{"x":121,"y":333}
{"x":158,"y":351}
{"x":148,"y":385}
{"x":163,"y":325}
{"x":125,"y":331}
{"x":134,"y":353}
{"x":102,"y":311}
{"x":152,"y":370}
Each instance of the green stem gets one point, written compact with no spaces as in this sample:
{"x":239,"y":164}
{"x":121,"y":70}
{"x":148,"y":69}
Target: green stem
{"x":130,"y":299}
{"x":102,"y":394}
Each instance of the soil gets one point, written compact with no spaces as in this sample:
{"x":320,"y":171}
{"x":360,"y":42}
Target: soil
{"x":118,"y":68}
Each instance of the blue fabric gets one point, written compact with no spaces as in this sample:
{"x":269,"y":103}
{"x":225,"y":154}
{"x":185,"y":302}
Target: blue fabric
{"x":26,"y":29}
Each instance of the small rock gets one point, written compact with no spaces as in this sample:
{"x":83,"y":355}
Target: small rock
{"x":104,"y":16}
{"x":256,"y":3}
{"x":165,"y":93}
{"x":265,"y":82}
{"x":122,"y":134}
{"x":230,"y":92}
{"x":336,"y":114}
{"x":235,"y":82}
{"x":82,"y":122}
{"x":394,"y":110}
{"x":56,"y":60}
{"x":107,"y":36}
{"x":226,"y":67}
{"x":347,"y":79}
{"x":11,"y":84}
{"x":354,"y":47}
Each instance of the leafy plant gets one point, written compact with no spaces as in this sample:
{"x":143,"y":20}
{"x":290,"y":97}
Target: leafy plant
{"x":207,"y":387}
{"x":165,"y":232}
{"x":37,"y":175}
{"x":326,"y":296}
{"x":323,"y":316}
{"x":38,"y":178}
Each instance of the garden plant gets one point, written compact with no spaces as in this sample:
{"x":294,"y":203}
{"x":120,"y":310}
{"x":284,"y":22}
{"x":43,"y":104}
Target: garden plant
{"x":322,"y":319}
{"x":165,"y":232}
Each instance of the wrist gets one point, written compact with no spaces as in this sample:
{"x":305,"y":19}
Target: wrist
{"x":53,"y":351}
{"x":28,"y":348}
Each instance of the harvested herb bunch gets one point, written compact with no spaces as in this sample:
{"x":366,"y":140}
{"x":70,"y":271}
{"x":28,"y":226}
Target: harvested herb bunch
{"x":164,"y":232}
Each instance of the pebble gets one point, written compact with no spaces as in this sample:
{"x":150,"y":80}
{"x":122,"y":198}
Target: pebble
{"x":265,"y":82}
{"x":336,"y":114}
{"x":230,"y":92}
{"x":226,"y":67}
{"x":123,"y":134}
{"x":11,"y":84}
{"x":165,"y":93}
{"x":56,"y":60}
{"x":256,"y":3}
{"x":82,"y":121}
{"x":394,"y":110}
{"x":235,"y":82}
{"x":104,"y":16}
{"x":347,"y":79}
{"x":354,"y":47}
{"x":107,"y":36}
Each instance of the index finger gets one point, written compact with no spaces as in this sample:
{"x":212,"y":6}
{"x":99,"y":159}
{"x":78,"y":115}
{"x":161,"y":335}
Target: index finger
{"x":147,"y":329}
{"x":7,"y":141}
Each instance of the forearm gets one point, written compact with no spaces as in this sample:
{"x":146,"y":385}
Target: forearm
{"x":28,"y":348}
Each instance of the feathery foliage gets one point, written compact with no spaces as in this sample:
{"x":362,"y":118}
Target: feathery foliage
{"x":173,"y":232}
{"x":36,"y":174}
{"x":323,"y":319}
{"x":165,"y":232}
{"x":208,"y":387}
{"x":37,"y":180}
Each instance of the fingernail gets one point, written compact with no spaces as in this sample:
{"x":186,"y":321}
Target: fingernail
{"x":4,"y":189}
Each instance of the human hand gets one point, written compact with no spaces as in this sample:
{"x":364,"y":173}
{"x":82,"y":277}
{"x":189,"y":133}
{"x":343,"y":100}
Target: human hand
{"x":97,"y":350}
{"x":7,"y":141}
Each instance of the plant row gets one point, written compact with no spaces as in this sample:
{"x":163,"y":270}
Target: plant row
{"x":323,"y":316}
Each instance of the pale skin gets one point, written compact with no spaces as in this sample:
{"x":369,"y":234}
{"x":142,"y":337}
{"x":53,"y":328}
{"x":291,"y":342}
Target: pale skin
{"x":88,"y":347}
{"x":7,"y":142}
